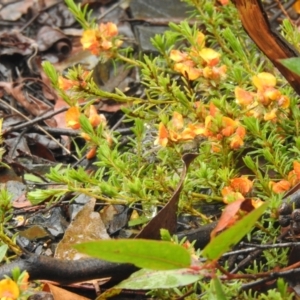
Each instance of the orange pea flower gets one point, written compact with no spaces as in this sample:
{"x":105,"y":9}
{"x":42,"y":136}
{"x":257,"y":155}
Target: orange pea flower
{"x":100,"y":39}
{"x":292,"y":179}
{"x":9,"y":290}
{"x":187,"y":68}
{"x":236,"y":142}
{"x":72,"y":117}
{"x":243,"y":98}
{"x":64,"y":83}
{"x":178,"y":56}
{"x":280,"y":186}
{"x":241,"y":184}
{"x":237,"y":189}
{"x":162,"y":135}
{"x":266,"y":101}
{"x":210,"y":56}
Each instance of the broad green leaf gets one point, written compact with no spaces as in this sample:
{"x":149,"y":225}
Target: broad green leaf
{"x":216,"y":290}
{"x":148,"y":254}
{"x":292,"y":64}
{"x":231,"y":236}
{"x":147,"y":279}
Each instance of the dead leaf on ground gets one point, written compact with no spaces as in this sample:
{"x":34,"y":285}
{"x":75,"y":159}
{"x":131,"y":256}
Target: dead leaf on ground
{"x":62,"y":294}
{"x":15,"y":42}
{"x":15,"y":10}
{"x":33,"y":105}
{"x":86,"y":226}
{"x":54,"y":40}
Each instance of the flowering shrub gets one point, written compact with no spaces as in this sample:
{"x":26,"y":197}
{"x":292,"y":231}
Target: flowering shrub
{"x":267,"y":102}
{"x":203,"y":93}
{"x":198,"y":61}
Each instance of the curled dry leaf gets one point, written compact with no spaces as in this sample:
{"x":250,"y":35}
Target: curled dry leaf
{"x":49,"y":38}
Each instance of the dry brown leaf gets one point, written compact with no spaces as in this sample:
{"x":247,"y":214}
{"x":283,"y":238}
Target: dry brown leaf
{"x":62,"y":294}
{"x":87,"y":226}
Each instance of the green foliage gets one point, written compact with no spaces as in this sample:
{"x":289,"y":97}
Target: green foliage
{"x":144,"y":168}
{"x":292,"y":64}
{"x":224,"y":241}
{"x":6,"y":209}
{"x":147,"y":279}
{"x":155,"y":255}
{"x":81,"y":15}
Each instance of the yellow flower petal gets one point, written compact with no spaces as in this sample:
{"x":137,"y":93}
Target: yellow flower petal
{"x":263,"y":80}
{"x":200,"y":39}
{"x":178,"y":56}
{"x":8,"y":289}
{"x":243,"y":97}
{"x":270,"y":115}
{"x":210,"y":56}
{"x":72,"y":117}
{"x":89,"y":38}
{"x":177,"y":120}
{"x":162,"y":136}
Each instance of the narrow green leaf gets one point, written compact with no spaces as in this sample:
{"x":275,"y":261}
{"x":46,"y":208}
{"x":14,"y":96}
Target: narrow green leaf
{"x":216,"y":290}
{"x":231,"y":236}
{"x":33,"y":178}
{"x":148,"y":254}
{"x":3,"y":250}
{"x":292,"y":64}
{"x":147,"y":279}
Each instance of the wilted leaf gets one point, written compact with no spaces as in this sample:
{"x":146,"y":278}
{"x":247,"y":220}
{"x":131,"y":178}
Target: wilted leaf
{"x":228,"y":217}
{"x":156,"y":255}
{"x":225,"y":240}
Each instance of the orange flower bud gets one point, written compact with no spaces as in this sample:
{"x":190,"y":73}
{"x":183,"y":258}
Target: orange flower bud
{"x":94,"y":118}
{"x":91,"y":154}
{"x":85,"y":136}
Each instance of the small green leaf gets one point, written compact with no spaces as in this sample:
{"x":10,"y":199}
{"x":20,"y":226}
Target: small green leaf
{"x":147,"y":279}
{"x":216,"y":290}
{"x":231,"y":236}
{"x":292,"y":64}
{"x":33,"y":178}
{"x":3,"y":250}
{"x":148,"y":254}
